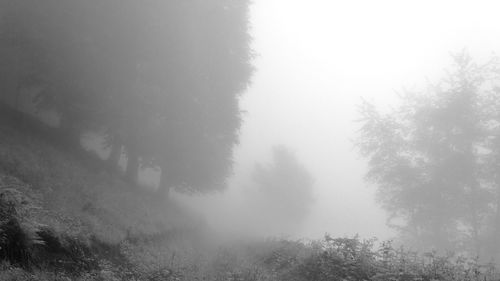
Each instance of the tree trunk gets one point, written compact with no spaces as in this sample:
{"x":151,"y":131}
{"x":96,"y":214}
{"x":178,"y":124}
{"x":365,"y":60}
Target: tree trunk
{"x":115,"y":155}
{"x":132,"y":172}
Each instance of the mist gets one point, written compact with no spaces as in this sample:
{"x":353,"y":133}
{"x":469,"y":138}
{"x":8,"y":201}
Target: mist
{"x":156,"y":135}
{"x":315,"y":64}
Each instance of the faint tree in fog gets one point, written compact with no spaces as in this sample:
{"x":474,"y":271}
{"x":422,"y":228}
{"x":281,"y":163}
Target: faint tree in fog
{"x":284,"y":194}
{"x":428,"y":158}
{"x":491,"y":173}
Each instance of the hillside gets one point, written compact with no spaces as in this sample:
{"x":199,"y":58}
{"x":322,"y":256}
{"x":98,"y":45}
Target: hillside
{"x":55,"y":194}
{"x":64,"y":217}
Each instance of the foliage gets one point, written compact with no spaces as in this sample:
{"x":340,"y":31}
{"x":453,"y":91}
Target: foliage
{"x":161,"y":79}
{"x":184,"y":256}
{"x":336,"y":259}
{"x":18,"y":231}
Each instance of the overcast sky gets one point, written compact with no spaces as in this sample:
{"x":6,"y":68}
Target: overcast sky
{"x":316,"y":59}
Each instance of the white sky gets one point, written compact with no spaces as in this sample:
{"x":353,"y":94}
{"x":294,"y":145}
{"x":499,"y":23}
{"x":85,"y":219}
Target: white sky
{"x":317,"y":58}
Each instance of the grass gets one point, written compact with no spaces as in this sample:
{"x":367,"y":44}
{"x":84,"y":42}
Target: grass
{"x":73,"y":199}
{"x":83,"y":201}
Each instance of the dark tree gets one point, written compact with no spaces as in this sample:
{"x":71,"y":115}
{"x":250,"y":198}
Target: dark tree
{"x":197,"y":116}
{"x":161,"y":78}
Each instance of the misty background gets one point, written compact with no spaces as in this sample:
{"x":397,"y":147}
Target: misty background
{"x":315,"y":63}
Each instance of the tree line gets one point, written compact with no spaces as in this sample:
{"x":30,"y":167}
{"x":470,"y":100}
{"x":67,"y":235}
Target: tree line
{"x":160,"y":78}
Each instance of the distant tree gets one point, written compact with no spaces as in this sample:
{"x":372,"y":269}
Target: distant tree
{"x":284,"y":191}
{"x":427,"y":158}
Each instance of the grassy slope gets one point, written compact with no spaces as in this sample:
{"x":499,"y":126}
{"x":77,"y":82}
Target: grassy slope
{"x":76,"y":199}
{"x":97,"y":203}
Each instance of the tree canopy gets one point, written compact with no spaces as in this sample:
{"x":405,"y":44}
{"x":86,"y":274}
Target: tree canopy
{"x":161,"y":78}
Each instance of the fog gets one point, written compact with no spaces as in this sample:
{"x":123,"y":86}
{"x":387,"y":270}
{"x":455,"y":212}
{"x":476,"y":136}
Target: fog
{"x":377,"y":119}
{"x":316,"y":61}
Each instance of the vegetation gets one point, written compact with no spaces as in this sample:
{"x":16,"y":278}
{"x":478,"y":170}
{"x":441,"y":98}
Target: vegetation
{"x":61,"y":214}
{"x":71,"y":221}
{"x":434,"y":160}
{"x":160,"y":80}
